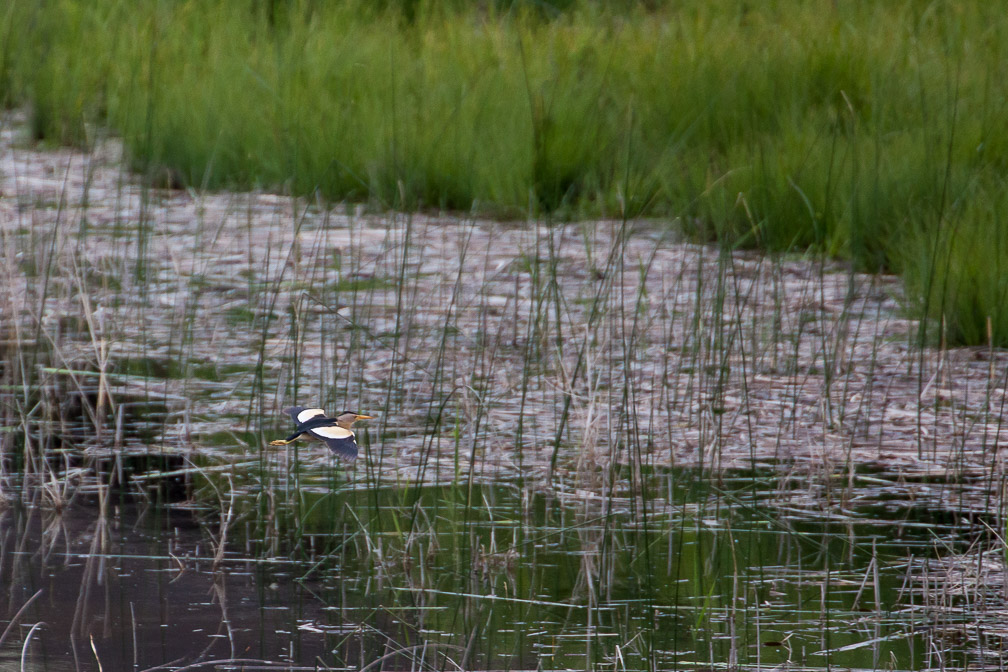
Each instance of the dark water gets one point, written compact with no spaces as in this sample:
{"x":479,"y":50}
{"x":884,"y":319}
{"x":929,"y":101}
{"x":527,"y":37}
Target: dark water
{"x":480,"y":577}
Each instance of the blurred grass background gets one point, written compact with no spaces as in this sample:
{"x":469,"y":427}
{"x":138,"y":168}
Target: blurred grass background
{"x":873,"y":132}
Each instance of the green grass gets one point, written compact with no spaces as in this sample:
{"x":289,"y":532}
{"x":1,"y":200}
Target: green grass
{"x":868,"y":131}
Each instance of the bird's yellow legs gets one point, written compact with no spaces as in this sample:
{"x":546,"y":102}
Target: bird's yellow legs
{"x":280,"y":442}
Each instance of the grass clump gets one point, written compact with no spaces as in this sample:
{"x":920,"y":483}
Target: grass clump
{"x":843,"y":129}
{"x":957,"y":272}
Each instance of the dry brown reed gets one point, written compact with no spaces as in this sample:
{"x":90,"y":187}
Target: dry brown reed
{"x":142,"y":322}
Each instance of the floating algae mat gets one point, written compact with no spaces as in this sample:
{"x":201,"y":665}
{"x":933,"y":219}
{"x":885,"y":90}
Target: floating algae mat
{"x":481,"y":577}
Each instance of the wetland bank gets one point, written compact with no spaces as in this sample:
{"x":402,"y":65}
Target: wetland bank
{"x":596,"y":446}
{"x":599,"y":443}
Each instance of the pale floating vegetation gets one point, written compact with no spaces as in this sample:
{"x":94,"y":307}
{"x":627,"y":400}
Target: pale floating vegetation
{"x":152,"y":337}
{"x":963,"y":598}
{"x":487,"y":350}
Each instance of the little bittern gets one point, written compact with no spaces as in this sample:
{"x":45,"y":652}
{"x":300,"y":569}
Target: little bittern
{"x":334,"y":432}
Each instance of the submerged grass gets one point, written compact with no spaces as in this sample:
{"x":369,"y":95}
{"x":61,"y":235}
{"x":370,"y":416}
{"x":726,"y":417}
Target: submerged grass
{"x":862,"y":130}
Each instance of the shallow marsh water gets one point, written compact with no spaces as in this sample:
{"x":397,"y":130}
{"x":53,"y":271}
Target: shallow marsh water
{"x":493,"y":577}
{"x":597,"y":447}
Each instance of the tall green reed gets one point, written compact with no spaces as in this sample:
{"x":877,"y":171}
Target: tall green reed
{"x":778,"y":128}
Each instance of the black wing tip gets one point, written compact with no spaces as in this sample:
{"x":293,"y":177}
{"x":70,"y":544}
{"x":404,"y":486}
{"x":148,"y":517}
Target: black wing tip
{"x":346,"y":450}
{"x":293,"y":411}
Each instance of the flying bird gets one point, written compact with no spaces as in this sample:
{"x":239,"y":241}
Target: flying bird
{"x":336,"y":432}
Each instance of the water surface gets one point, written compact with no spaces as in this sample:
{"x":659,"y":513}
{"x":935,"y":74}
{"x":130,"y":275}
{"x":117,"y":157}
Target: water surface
{"x":475,"y":577}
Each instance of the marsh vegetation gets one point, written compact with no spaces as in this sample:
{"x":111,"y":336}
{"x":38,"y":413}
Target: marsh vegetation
{"x":639,"y":402}
{"x":870,"y":132}
{"x":597,"y":445}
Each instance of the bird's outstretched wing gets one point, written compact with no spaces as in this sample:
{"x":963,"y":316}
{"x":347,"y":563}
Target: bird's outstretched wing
{"x":340,"y":440}
{"x":302,"y":414}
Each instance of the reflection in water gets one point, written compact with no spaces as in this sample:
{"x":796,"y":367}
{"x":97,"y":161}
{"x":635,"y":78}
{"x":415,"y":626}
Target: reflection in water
{"x":136,"y":591}
{"x":427,"y":581}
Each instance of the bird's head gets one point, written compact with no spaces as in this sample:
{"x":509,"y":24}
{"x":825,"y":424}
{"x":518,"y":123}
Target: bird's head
{"x":347,"y":418}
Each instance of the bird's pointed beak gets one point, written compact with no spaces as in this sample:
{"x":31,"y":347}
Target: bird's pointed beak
{"x":365,"y":417}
